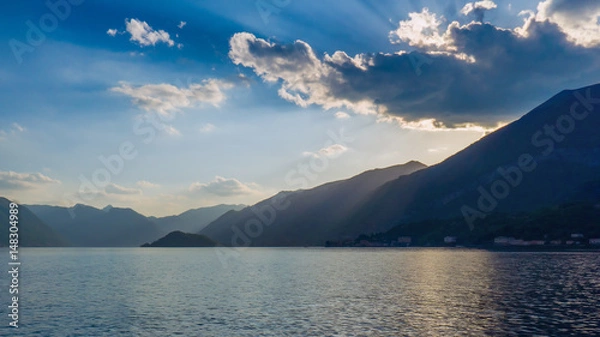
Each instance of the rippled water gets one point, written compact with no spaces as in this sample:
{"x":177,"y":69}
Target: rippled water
{"x":305,"y":292}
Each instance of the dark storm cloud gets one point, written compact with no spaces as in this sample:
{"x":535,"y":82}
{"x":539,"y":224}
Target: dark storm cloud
{"x":475,"y":73}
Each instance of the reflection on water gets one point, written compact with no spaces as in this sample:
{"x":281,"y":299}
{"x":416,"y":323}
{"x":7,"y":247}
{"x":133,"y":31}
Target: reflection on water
{"x":306,"y":292}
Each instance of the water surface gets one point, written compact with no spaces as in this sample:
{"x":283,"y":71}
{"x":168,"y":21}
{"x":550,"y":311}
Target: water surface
{"x":305,"y":292}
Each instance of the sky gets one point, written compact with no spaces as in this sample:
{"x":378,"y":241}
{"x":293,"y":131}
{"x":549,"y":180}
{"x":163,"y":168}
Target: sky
{"x":166,"y":106}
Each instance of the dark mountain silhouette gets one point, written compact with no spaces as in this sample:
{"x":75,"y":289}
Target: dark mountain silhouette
{"x":556,"y":223}
{"x":193,"y":220}
{"x":304,"y":217}
{"x":32,"y":231}
{"x":549,"y":157}
{"x":86,"y":226}
{"x":181,"y":239}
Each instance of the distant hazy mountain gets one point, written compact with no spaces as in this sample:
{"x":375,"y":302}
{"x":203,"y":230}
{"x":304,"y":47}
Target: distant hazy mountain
{"x":87,"y":226}
{"x":549,"y":157}
{"x":32,"y":231}
{"x":181,"y":239}
{"x":310,"y":216}
{"x":194,"y":220}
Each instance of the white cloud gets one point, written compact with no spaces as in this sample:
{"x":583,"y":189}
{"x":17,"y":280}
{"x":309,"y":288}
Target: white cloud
{"x":142,"y":33}
{"x":167,"y":98}
{"x":13,"y":180}
{"x":117,"y":189}
{"x":146,"y":184}
{"x":458,"y":76}
{"x":479,"y":6}
{"x":579,"y":20}
{"x":437,"y":149}
{"x":171,"y":130}
{"x":112,"y":32}
{"x":181,"y":24}
{"x":304,"y":76}
{"x":13,"y":130}
{"x":223,"y":187}
{"x":331,"y":151}
{"x":17,"y":128}
{"x":420,"y":30}
{"x":207,"y":128}
{"x":341,"y":115}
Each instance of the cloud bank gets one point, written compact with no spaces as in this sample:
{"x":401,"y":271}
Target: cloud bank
{"x":13,"y":180}
{"x":167,"y":99}
{"x":458,"y":75}
{"x":117,"y":189}
{"x":223,"y":187}
{"x":331,"y":151}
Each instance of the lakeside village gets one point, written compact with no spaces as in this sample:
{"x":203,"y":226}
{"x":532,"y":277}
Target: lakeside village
{"x":576,"y":240}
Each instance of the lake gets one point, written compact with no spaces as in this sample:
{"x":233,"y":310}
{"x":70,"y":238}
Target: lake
{"x":304,"y":292}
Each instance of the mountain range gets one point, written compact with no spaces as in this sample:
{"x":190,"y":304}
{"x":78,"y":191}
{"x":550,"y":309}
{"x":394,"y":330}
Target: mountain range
{"x":86,"y":226}
{"x":547,"y":159}
{"x":193,"y":220}
{"x":304,"y":217}
{"x":32,"y":231}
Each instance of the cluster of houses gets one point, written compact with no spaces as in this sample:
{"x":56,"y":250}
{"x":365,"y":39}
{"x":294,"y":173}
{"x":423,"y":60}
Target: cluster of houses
{"x":406,"y":241}
{"x":576,"y":239}
{"x":403,"y":241}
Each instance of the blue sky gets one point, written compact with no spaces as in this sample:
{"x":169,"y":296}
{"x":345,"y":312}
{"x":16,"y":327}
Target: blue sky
{"x":231,"y":101}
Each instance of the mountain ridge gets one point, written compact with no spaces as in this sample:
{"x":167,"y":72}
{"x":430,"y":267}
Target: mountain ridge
{"x":87,"y":226}
{"x":572,"y":161}
{"x":301,"y":217}
{"x":33,"y":232}
{"x":181,"y":239}
{"x":548,"y":157}
{"x":193,"y":220}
